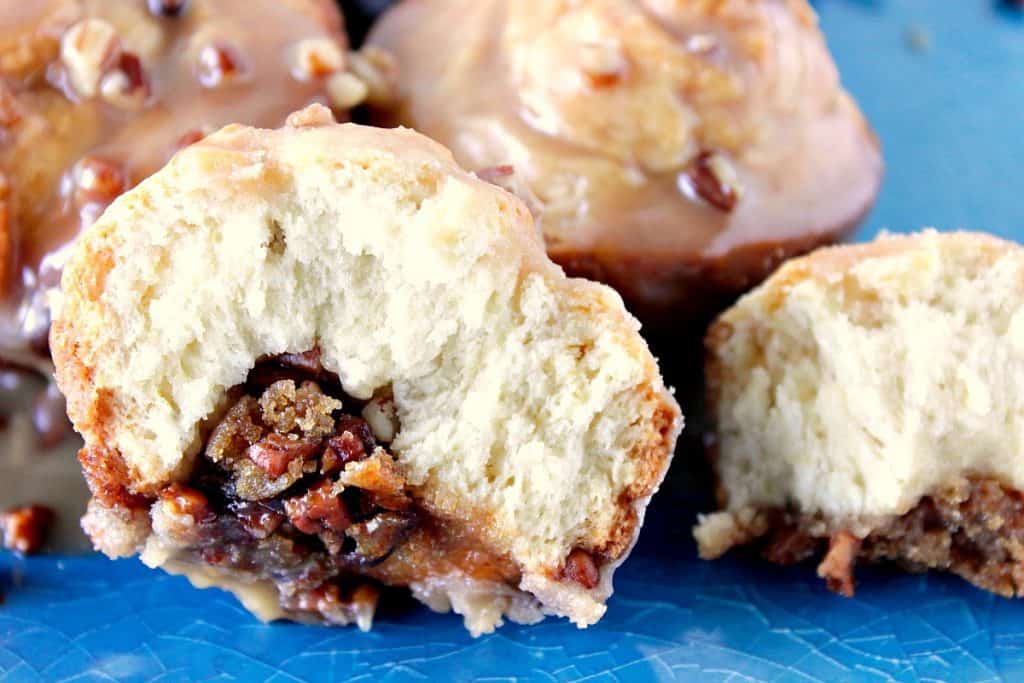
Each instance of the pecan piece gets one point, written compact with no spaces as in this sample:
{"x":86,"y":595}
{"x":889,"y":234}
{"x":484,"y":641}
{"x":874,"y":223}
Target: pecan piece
{"x":581,"y":568}
{"x":86,"y":50}
{"x":604,"y":63}
{"x":218,"y":64}
{"x":259,"y":519}
{"x":274,"y":452}
{"x":319,"y":509}
{"x":377,"y":537}
{"x":127,"y":85}
{"x":837,"y":567}
{"x":380,"y":478}
{"x":316,"y":57}
{"x":341,"y":450}
{"x":714,"y":180}
{"x":98,"y":180}
{"x":26,"y":528}
{"x":184,"y":500}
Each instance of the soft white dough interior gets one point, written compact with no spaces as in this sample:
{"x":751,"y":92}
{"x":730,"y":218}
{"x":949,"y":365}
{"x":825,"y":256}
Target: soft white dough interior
{"x":860,"y":388}
{"x":513,"y":396}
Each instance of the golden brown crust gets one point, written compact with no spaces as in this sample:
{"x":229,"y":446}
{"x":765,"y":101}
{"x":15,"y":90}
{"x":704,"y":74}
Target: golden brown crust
{"x":108,"y":478}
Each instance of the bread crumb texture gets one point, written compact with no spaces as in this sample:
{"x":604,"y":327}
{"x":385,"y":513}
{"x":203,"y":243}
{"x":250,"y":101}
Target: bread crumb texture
{"x":860,"y":378}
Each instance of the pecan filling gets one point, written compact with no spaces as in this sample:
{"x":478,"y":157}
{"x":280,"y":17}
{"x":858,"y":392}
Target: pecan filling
{"x":295,"y":485}
{"x":974,"y":529}
{"x":294,"y":489}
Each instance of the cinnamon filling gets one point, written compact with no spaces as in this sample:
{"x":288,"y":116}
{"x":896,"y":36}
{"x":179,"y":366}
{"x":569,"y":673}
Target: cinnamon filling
{"x":974,"y":529}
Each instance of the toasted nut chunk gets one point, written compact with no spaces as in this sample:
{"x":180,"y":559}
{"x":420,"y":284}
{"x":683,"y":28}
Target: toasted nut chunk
{"x":275,"y":452}
{"x":319,"y":509}
{"x":713,"y":179}
{"x":218,"y":64}
{"x":346,"y":91}
{"x":98,"y":180}
{"x":316,"y":57}
{"x":86,"y":49}
{"x":126,"y":87}
{"x":581,"y":568}
{"x":378,"y":70}
{"x":604,"y":63}
{"x":382,"y":415}
{"x":837,"y":567}
{"x":25,"y":528}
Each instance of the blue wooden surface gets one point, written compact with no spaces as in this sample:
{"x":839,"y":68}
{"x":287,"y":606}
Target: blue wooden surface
{"x":950,"y":117}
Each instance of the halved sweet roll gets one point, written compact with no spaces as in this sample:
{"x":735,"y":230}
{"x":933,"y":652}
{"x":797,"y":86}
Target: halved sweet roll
{"x":315,"y":361}
{"x":868,"y":408}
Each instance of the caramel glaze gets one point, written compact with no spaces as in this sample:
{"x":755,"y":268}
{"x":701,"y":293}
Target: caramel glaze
{"x":71,"y":141}
{"x":679,"y":150}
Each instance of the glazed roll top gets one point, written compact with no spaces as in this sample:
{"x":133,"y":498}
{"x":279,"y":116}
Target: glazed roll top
{"x":95,"y":96}
{"x":677,"y":150}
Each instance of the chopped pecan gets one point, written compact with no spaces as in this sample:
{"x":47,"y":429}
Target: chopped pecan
{"x":714,"y":180}
{"x":378,"y":536}
{"x":86,"y":50}
{"x":319,"y":509}
{"x":275,"y":452}
{"x":581,"y":568}
{"x":26,"y":528}
{"x":316,"y":57}
{"x":346,"y":90}
{"x":307,"y":361}
{"x":218,"y":64}
{"x":380,"y":478}
{"x":259,"y":519}
{"x":604,"y":63}
{"x":98,"y":180}
{"x":378,"y":69}
{"x":381,"y":414}
{"x":341,"y":450}
{"x":127,"y":85}
{"x":328,"y":600}
{"x":837,"y":567}
{"x":184,"y":500}
{"x":237,"y":430}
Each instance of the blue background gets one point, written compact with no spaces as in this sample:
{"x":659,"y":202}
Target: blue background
{"x":950,"y":118}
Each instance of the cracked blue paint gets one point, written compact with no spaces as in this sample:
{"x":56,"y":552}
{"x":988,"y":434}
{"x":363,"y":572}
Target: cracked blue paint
{"x":950,"y":120}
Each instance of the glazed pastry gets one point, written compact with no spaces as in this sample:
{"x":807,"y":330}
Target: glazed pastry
{"x":313,"y":360}
{"x":678,"y":151}
{"x":867,"y":401}
{"x":95,"y":95}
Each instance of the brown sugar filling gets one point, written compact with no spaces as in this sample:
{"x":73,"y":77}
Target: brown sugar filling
{"x":974,"y":529}
{"x":293,"y":488}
